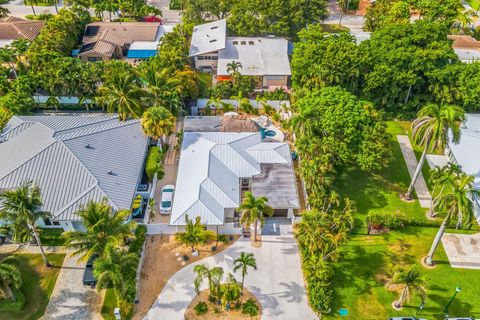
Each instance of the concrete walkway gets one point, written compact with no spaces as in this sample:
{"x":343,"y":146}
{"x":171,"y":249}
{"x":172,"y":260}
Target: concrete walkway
{"x":27,"y":248}
{"x":71,"y":300}
{"x":277,"y":283}
{"x":463,"y":250}
{"x":421,"y":188}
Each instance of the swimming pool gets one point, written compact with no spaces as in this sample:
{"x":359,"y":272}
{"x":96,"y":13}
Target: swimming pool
{"x":270,"y":133}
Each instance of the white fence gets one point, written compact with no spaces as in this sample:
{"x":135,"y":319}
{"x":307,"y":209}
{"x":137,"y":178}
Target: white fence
{"x":161,"y":228}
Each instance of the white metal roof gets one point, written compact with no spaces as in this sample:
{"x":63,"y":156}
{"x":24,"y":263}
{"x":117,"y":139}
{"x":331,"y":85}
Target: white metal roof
{"x":208,"y":37}
{"x":259,"y":56}
{"x":74,"y":159}
{"x":211,"y":164}
{"x":468,"y":55}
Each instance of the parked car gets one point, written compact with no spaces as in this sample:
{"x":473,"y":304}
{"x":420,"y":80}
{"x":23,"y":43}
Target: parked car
{"x":88,"y":278}
{"x":167,"y":199}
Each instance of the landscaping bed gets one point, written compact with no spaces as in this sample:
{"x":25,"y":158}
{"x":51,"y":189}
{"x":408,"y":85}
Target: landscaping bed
{"x":37,"y":285}
{"x":216,"y":313}
{"x":160,"y":264}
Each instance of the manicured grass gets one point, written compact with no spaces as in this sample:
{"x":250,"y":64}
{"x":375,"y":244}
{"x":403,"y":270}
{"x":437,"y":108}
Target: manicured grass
{"x":333,"y":28}
{"x":380,"y":191}
{"x":368,"y":261}
{"x":205,"y":84}
{"x":109,"y":305}
{"x":38,"y":284}
{"x":52,"y":237}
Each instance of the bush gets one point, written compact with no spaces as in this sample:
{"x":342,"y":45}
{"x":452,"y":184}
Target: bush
{"x":320,"y":294}
{"x":154,"y":163}
{"x":126,"y":309}
{"x":140,"y":234}
{"x":7,"y":305}
{"x":250,"y":307}
{"x":201,"y":308}
{"x":385,"y":220}
{"x":175,"y":5}
{"x":277,"y":94}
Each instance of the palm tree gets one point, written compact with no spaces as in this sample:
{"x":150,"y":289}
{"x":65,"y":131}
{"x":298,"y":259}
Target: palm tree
{"x":242,"y":263}
{"x":123,"y":95}
{"x":103,"y":226}
{"x":52,"y":101}
{"x":213,"y":276}
{"x":431,"y":131}
{"x":442,"y":177}
{"x":215,"y":101}
{"x":22,"y":207}
{"x":7,"y":55}
{"x":9,"y":276}
{"x":230,"y":291}
{"x":234,"y":67}
{"x":410,"y":282}
{"x":253,"y":211}
{"x":4,"y":12}
{"x":110,"y":270}
{"x":158,"y":122}
{"x":194,"y":234}
{"x":457,"y":203}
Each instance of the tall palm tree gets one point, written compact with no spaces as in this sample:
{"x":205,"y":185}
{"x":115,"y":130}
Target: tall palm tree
{"x":234,"y":67}
{"x":457,"y":203}
{"x":230,"y":291}
{"x":9,"y":276}
{"x":194,"y":234}
{"x":122,"y":94}
{"x":103,"y":226}
{"x":216,"y":102}
{"x":431,"y":131}
{"x":242,"y":263}
{"x":442,"y":177}
{"x":213,"y":276}
{"x":110,"y":270}
{"x":158,"y":122}
{"x":253,"y":211}
{"x":410,"y":282}
{"x":22,"y":207}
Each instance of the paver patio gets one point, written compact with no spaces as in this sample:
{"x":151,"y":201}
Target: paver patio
{"x":463,"y":250}
{"x":277,"y":283}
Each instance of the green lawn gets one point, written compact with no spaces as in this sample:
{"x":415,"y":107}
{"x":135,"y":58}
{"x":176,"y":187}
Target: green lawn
{"x":109,"y":305}
{"x":368,"y":260}
{"x":205,"y":84}
{"x":38,"y":284}
{"x":52,"y":237}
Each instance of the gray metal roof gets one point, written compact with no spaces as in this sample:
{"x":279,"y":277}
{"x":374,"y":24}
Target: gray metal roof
{"x":208,"y":37}
{"x":70,"y":158}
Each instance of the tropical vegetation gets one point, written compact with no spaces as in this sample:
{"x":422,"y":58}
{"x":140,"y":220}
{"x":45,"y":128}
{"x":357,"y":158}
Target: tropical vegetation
{"x":195,"y":234}
{"x":254,"y":210}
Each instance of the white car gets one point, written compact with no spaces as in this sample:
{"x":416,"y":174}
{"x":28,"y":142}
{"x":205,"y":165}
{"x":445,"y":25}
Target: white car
{"x":167,"y":199}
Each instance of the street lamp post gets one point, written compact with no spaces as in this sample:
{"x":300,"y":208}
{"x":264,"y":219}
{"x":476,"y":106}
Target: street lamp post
{"x":457,"y":290}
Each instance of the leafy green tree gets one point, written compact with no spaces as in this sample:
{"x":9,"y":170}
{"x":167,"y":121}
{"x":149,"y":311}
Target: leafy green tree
{"x":111,"y":268}
{"x":229,"y":291}
{"x":386,"y":12}
{"x":158,"y":122}
{"x":438,"y":10}
{"x":23,"y":207}
{"x":10,"y":276}
{"x":410,"y":282}
{"x":4,"y":12}
{"x":254,"y":211}
{"x":242,"y":263}
{"x":430,"y":131}
{"x":213,"y":276}
{"x":195,"y":234}
{"x":104,"y":227}
{"x":321,"y":59}
{"x":457,"y":203}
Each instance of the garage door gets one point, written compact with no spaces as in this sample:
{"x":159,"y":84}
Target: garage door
{"x":280,"y":212}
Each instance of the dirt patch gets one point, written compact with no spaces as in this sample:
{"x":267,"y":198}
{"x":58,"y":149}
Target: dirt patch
{"x":161,"y":262}
{"x":221,"y":313}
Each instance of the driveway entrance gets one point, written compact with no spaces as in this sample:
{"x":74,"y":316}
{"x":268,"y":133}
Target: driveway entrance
{"x":276,"y":226}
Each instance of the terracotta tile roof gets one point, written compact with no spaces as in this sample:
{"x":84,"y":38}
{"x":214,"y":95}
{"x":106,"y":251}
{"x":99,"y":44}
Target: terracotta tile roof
{"x":464,"y":42}
{"x":14,"y":28}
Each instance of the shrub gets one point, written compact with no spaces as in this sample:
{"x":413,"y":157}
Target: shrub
{"x":126,"y":309}
{"x":154,"y":163}
{"x":277,"y":94}
{"x":385,"y":220}
{"x":319,"y":294}
{"x":140,"y":234}
{"x":201,"y":308}
{"x":268,"y":109}
{"x":7,"y":305}
{"x":250,"y":307}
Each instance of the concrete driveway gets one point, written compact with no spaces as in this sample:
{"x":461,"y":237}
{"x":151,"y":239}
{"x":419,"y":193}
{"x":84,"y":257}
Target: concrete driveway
{"x":277,"y":283}
{"x":463,"y":250}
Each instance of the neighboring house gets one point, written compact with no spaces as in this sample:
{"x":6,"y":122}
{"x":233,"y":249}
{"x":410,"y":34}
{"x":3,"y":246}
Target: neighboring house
{"x":265,"y":58}
{"x":466,"y":48}
{"x":216,"y":168}
{"x":117,"y":40}
{"x":75,"y":159}
{"x":13,"y":28}
{"x":467,"y":152}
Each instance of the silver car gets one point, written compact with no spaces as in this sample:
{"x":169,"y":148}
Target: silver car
{"x":167,"y":199}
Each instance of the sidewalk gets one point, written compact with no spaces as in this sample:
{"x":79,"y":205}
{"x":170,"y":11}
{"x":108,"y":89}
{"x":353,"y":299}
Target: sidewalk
{"x":421,"y":188}
{"x":27,"y":248}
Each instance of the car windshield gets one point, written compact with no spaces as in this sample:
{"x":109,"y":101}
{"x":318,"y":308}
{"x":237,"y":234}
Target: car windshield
{"x":167,"y":190}
{"x":166,"y":204}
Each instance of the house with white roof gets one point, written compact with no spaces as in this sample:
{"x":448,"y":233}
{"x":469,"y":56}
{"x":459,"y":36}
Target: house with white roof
{"x":75,"y":159}
{"x":216,"y":168}
{"x":265,"y":58}
{"x":467,"y":152}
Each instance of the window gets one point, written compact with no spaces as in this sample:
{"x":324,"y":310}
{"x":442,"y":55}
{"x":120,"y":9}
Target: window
{"x":213,"y":40}
{"x":56,"y":223}
{"x":214,"y":58}
{"x":243,"y":43}
{"x":251,"y":43}
{"x":47,"y":222}
{"x":200,"y":58}
{"x":235,"y":43}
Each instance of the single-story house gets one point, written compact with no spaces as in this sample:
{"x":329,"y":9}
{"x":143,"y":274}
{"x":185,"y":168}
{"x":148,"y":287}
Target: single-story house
{"x":467,"y":152}
{"x":75,"y":159}
{"x":216,"y":168}
{"x":265,"y":58}
{"x":13,"y":28}
{"x":116,"y":40}
{"x":466,"y":48}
